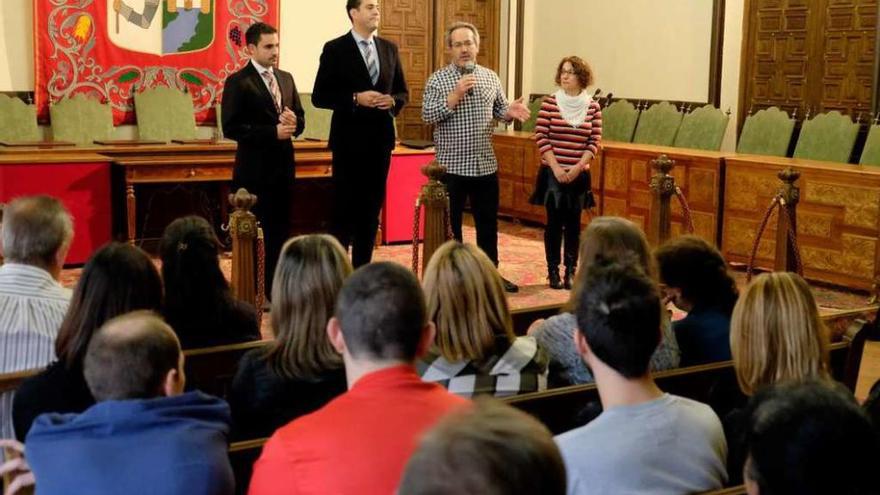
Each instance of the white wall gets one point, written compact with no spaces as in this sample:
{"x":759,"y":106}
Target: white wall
{"x":16,"y":45}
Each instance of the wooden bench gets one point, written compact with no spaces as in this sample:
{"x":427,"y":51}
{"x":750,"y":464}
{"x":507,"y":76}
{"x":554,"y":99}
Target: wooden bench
{"x":212,"y":369}
{"x":564,"y":408}
{"x":524,"y":317}
{"x":11,"y":381}
{"x":734,"y":490}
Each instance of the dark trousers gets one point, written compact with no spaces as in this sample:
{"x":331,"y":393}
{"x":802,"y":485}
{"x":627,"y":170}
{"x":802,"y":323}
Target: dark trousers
{"x":483,"y":195}
{"x":359,"y":177}
{"x":562,"y":223}
{"x":273,"y":213}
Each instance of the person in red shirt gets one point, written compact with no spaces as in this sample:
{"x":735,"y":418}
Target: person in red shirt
{"x":359,"y":443}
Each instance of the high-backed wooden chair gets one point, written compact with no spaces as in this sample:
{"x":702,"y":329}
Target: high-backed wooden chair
{"x":702,"y":129}
{"x":212,"y":369}
{"x":164,"y":114}
{"x":767,"y":132}
{"x":828,"y":136}
{"x":81,"y":120}
{"x":317,"y":119}
{"x":18,"y":120}
{"x":871,"y":152}
{"x":658,"y":125}
{"x":619,"y":121}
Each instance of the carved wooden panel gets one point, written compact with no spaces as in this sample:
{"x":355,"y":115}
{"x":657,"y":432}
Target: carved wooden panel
{"x":838,"y":217}
{"x":484,"y":14}
{"x":518,"y":164}
{"x":409,"y":23}
{"x":809,"y":54}
{"x":625,"y":175}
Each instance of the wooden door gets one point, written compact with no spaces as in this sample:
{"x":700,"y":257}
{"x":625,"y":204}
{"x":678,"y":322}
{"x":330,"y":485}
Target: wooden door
{"x":815,"y":55}
{"x":418,"y":28}
{"x":409,"y":23}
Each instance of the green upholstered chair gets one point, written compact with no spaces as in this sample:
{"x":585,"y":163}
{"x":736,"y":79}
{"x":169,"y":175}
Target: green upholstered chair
{"x":317,"y":119}
{"x":702,"y":129}
{"x":619,"y":121}
{"x":164,"y":114}
{"x":768,"y":132}
{"x":871,"y":152}
{"x":18,"y":120}
{"x":81,"y":120}
{"x":658,"y":125}
{"x":828,"y":136}
{"x":534,"y":107}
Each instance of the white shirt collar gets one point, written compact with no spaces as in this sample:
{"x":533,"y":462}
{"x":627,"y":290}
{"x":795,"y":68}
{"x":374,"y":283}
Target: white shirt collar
{"x":260,"y":68}
{"x":358,"y":38}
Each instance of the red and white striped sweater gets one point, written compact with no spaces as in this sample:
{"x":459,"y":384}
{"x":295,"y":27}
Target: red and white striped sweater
{"x":567,"y":143}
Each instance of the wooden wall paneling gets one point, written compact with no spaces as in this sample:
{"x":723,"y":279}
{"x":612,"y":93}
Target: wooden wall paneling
{"x":518,"y":164}
{"x":484,"y":14}
{"x":626,"y":172}
{"x":409,"y":24}
{"x":838,"y":217}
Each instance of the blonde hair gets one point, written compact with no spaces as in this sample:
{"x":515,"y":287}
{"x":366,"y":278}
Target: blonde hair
{"x":309,"y":275}
{"x":776,"y":334}
{"x":611,"y":237}
{"x":466,"y":302}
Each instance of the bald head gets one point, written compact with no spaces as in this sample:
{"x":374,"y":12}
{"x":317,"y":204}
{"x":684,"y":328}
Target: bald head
{"x":37,"y":230}
{"x":134,"y":356}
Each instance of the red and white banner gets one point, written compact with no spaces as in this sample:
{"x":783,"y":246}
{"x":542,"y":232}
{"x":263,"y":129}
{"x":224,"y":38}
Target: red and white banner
{"x":112,"y":49}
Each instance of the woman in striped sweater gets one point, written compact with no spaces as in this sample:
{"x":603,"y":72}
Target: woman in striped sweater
{"x":568,"y":131}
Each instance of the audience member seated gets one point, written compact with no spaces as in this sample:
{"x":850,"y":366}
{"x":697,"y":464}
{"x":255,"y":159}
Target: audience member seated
{"x":645,"y":441}
{"x":475,"y":351}
{"x":695,"y":279}
{"x":489,"y":449}
{"x":198,"y":303}
{"x":36,"y":234}
{"x":144,"y":436}
{"x":360,"y":442}
{"x":608,"y":237}
{"x":299,"y":371}
{"x":776,"y":336}
{"x":810,"y":439}
{"x":117,"y":279}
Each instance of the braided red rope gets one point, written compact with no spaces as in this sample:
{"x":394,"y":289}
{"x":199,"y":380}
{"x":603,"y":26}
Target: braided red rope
{"x":415,"y":238}
{"x":792,"y":237}
{"x":751,"y":266}
{"x":261,"y":275}
{"x":686,"y":209}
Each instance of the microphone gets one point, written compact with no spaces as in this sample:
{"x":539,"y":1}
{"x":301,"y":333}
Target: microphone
{"x":467,"y":69}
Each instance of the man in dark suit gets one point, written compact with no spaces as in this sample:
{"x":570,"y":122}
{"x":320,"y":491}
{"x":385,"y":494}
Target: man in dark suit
{"x":360,"y":78}
{"x":262,"y":112}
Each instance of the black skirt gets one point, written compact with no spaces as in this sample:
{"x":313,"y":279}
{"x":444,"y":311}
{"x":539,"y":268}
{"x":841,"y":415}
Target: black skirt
{"x":577,"y":194}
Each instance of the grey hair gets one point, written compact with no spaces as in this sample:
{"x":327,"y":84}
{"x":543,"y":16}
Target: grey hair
{"x":34,"y":229}
{"x":460,"y":25}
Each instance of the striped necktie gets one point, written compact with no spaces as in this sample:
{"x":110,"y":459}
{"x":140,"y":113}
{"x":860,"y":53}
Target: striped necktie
{"x":273,"y":88}
{"x":370,"y":59}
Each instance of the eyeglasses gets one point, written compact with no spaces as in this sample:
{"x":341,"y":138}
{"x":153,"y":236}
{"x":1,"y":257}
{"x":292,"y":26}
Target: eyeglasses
{"x":570,"y":72}
{"x":466,"y":44}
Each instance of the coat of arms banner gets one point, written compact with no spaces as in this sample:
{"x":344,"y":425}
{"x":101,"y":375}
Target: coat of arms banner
{"x":112,"y":49}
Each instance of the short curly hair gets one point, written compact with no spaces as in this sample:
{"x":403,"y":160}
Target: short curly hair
{"x":582,"y":70}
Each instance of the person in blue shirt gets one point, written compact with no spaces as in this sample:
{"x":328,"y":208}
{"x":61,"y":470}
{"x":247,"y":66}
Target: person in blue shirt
{"x":144,"y":435}
{"x":694,"y":277}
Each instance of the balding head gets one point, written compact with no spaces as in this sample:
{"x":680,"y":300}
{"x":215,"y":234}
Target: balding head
{"x":134,"y":356}
{"x":37,"y":230}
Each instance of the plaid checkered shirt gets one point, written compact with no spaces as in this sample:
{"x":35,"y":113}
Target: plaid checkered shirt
{"x":463,"y":135}
{"x":510,"y":370}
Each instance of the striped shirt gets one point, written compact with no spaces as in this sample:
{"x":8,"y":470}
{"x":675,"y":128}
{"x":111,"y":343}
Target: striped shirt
{"x":510,"y":370}
{"x":567,"y":143}
{"x":463,"y":135}
{"x":32,"y":306}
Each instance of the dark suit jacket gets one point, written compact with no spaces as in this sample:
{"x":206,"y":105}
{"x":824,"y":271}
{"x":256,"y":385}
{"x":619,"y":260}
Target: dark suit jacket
{"x":341,"y":74}
{"x":250,"y":118}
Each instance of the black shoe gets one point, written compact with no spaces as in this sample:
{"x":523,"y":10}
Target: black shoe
{"x":509,"y":286}
{"x":569,"y":275}
{"x":553,"y":277}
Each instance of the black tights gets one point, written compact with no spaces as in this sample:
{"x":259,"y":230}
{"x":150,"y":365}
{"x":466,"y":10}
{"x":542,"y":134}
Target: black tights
{"x":562,"y":223}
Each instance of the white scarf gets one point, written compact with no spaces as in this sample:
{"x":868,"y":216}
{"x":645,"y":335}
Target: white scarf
{"x":573,"y":108}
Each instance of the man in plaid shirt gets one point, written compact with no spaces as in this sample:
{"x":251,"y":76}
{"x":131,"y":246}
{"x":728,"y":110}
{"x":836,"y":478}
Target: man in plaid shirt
{"x":462,"y":101}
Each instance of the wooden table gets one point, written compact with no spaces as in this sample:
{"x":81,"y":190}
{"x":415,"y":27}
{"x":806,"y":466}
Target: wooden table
{"x":838,"y":216}
{"x":623,"y":187}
